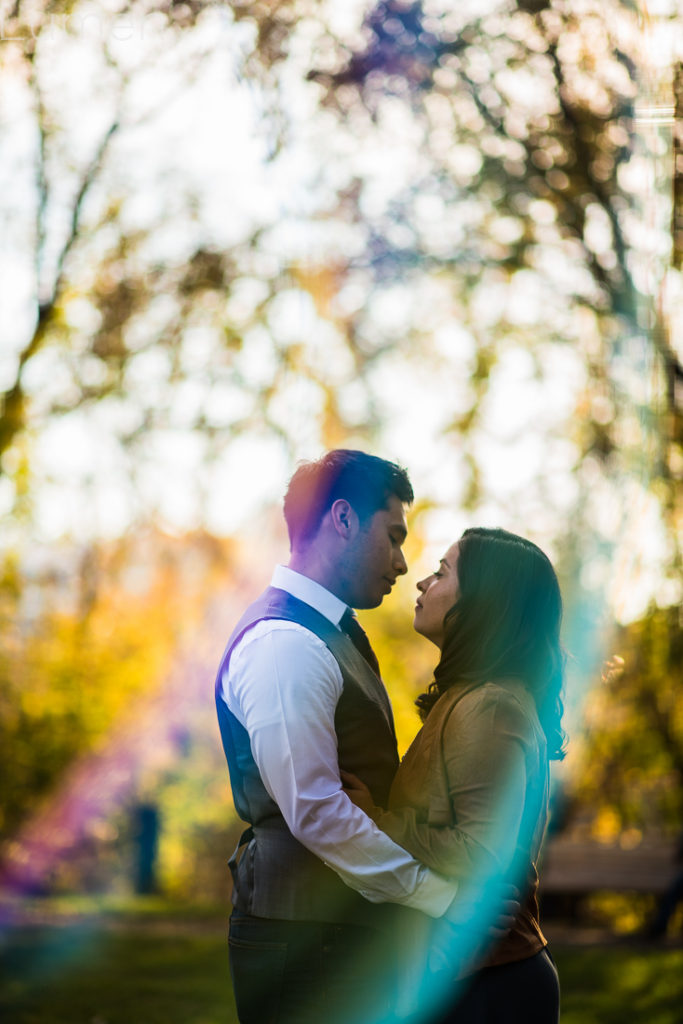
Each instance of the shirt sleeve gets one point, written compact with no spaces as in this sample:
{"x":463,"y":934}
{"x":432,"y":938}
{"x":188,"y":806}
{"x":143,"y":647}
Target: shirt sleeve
{"x":283,"y":685}
{"x":484,"y":751}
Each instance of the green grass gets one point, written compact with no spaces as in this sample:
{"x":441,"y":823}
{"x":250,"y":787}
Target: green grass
{"x":611,"y":985}
{"x":75,"y":975}
{"x":84,"y":974}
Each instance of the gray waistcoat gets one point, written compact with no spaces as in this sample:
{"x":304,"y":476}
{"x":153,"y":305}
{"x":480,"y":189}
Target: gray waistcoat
{"x":274,"y":875}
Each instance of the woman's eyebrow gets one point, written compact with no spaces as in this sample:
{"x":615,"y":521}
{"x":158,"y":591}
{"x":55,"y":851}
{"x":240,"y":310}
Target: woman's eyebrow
{"x":443,"y":561}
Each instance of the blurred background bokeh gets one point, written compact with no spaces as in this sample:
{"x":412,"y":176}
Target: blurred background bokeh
{"x":234,"y":235}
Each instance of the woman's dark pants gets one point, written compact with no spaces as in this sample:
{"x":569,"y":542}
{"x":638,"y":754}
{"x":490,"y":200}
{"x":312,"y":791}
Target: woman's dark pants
{"x":523,"y":992}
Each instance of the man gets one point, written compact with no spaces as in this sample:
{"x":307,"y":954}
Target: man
{"x":299,"y":698}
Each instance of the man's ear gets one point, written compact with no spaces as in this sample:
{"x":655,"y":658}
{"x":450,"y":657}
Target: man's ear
{"x":344,"y":519}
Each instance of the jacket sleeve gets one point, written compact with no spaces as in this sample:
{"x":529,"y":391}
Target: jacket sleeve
{"x":483,"y":761}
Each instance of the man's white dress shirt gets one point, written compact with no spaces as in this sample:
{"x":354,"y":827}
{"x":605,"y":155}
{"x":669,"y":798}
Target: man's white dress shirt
{"x":283,"y":684}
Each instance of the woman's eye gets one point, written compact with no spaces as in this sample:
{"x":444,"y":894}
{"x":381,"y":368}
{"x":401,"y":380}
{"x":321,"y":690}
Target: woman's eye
{"x":437,"y":575}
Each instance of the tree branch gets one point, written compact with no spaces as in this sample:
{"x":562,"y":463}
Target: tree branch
{"x":13,"y":415}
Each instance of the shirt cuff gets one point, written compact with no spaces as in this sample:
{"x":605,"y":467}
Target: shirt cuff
{"x":433,"y":894}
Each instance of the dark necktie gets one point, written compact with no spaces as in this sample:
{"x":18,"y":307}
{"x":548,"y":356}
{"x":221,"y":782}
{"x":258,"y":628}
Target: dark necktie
{"x":353,"y":629}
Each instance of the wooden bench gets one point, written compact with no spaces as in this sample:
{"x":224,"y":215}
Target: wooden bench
{"x":572,"y":870}
{"x":584,"y":866}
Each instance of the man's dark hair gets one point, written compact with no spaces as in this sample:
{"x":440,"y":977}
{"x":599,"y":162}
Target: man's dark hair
{"x":365,"y":481}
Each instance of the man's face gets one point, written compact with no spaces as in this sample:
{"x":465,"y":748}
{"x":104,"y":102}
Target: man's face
{"x":375,"y":559}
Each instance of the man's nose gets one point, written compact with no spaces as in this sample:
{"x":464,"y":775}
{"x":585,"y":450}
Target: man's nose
{"x":400,"y":564}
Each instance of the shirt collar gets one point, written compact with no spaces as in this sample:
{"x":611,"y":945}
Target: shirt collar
{"x":310,"y":592}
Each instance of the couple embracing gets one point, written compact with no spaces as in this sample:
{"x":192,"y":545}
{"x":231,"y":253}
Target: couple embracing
{"x":365,"y":890}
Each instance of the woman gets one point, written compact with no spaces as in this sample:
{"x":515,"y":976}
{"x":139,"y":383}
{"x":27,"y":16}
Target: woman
{"x":470,"y":798}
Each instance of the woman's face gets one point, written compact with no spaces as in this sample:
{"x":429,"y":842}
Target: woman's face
{"x":438,"y":594}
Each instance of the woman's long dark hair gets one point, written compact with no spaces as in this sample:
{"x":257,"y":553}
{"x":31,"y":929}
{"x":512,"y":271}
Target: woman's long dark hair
{"x":505,"y":623}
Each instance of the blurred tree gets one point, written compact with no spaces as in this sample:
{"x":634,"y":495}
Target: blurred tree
{"x":475,"y":209}
{"x":525,"y":123}
{"x":634,"y":737}
{"x":95,"y":656}
{"x":496,"y":179}
{"x":141,"y":313}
